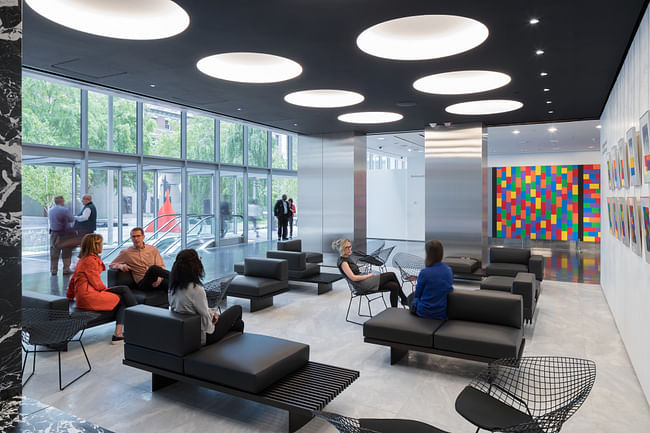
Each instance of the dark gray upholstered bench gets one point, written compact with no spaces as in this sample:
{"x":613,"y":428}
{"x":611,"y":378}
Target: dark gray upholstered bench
{"x":157,"y":298}
{"x":264,"y":369}
{"x":464,"y":268}
{"x":482,"y":326}
{"x":524,"y":284}
{"x":296,"y":245}
{"x":508,"y":262}
{"x":261,"y":281}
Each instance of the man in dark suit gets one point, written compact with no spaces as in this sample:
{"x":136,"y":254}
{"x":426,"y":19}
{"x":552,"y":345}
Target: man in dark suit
{"x":281,"y":211}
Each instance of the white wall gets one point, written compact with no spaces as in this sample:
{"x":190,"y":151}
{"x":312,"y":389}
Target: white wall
{"x":551,"y":158}
{"x":625,"y":276}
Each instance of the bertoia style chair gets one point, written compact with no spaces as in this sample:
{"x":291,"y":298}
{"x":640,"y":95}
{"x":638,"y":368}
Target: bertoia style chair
{"x":346,"y":424}
{"x":409,"y":267}
{"x":217,"y":289}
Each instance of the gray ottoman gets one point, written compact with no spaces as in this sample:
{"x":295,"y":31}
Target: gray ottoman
{"x":497,"y":282}
{"x":400,"y":326}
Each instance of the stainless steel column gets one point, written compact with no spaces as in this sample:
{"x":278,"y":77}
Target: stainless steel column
{"x":456,"y":189}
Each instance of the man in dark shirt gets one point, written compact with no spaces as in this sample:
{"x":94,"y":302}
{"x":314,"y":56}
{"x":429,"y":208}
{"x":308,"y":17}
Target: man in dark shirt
{"x":60,"y":218}
{"x":281,"y":212}
{"x":86,"y":221}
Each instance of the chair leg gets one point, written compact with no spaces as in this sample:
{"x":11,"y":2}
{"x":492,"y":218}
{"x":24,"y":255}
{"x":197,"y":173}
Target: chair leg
{"x":25,"y":364}
{"x":348,"y":313}
{"x":82,"y":374}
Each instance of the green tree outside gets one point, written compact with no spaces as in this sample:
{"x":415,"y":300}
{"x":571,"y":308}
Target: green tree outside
{"x":231,"y":143}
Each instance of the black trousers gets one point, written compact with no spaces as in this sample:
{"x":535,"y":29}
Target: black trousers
{"x":151,"y":276}
{"x":126,"y":300}
{"x":388,"y":282}
{"x":282,"y":227}
{"x":229,"y":320}
{"x":290,"y":220}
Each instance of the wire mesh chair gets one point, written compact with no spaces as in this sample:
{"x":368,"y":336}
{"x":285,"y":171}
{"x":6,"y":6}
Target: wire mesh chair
{"x":357,"y":256}
{"x":53,"y":329}
{"x":379,"y":259}
{"x":216,"y":289}
{"x":529,"y":394}
{"x":356,"y":293}
{"x":346,"y":424}
{"x":409,"y":267}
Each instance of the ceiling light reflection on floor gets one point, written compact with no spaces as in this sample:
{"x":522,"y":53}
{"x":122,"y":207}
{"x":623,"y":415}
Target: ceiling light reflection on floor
{"x":369,"y":117}
{"x":120,"y":19}
{"x":249,"y":67}
{"x":324,"y":98}
{"x":422,"y":37}
{"x":461,"y":82}
{"x":488,"y":106}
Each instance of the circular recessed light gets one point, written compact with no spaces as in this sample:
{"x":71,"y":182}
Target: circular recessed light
{"x":539,"y":52}
{"x":324,"y":98}
{"x":461,"y":82}
{"x":516,"y":132}
{"x":547,"y":90}
{"x":543,"y":74}
{"x":534,"y":21}
{"x":121,"y":19}
{"x":249,"y":67}
{"x":370,"y":117}
{"x":549,"y":102}
{"x":488,"y":106}
{"x":422,"y":37}
{"x":552,"y":129}
{"x":380,"y":138}
{"x":551,"y":111}
{"x":598,"y":126}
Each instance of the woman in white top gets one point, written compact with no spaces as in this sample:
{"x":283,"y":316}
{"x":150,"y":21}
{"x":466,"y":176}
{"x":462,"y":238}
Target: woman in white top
{"x":187,"y":295}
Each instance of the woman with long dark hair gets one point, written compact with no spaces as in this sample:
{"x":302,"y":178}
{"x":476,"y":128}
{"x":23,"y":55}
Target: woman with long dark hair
{"x":434,"y":284}
{"x":187,"y":295}
{"x":90,"y":293}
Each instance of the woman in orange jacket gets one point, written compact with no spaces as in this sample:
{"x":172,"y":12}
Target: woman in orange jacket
{"x":88,"y":290}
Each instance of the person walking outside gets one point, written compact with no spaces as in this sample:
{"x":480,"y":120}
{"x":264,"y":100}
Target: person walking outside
{"x":60,"y":218}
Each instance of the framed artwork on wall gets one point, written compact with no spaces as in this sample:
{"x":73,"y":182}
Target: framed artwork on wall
{"x":633,"y":159}
{"x":609,"y":170}
{"x":610,"y":217}
{"x":644,"y":217}
{"x":632,"y":216}
{"x":617,"y":218}
{"x":614,"y":156}
{"x":645,"y":145}
{"x":625,"y":222}
{"x":624,"y":170}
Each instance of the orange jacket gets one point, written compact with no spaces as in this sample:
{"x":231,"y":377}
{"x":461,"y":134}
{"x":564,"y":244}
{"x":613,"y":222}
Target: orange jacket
{"x":87,"y":288}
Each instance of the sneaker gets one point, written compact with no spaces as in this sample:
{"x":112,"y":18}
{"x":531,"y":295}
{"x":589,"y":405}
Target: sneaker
{"x":117,"y":340}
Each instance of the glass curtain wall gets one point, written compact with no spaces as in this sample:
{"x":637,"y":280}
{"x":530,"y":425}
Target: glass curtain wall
{"x":231,"y":209}
{"x":289,"y":186}
{"x":201,"y":218}
{"x":103,"y":186}
{"x":258,"y":215}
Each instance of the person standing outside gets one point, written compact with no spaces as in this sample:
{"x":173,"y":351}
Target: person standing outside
{"x":144,"y":262}
{"x":281,"y":212}
{"x":86,"y":221}
{"x":59,"y":218}
{"x":292,"y":214}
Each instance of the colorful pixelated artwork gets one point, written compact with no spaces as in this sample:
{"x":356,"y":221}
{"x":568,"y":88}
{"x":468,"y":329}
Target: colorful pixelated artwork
{"x":635,"y":239}
{"x":614,"y":158}
{"x":644,"y":215}
{"x":625,"y":222}
{"x":609,"y":171}
{"x":645,"y":145}
{"x":633,"y":157}
{"x":623,"y":169}
{"x":591,"y":203}
{"x":613,"y":229}
{"x":538,"y":202}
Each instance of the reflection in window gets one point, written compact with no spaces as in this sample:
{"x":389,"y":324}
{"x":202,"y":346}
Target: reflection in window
{"x":231,"y":205}
{"x":97,"y":121}
{"x":257,"y":147}
{"x":162,"y":131}
{"x":51,"y":113}
{"x":200,"y":137}
{"x":257,"y":213}
{"x":280,"y":151}
{"x":231,"y":143}
{"x":289,"y":186}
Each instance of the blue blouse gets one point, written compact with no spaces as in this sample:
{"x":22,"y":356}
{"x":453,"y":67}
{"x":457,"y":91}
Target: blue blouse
{"x":433,"y":286}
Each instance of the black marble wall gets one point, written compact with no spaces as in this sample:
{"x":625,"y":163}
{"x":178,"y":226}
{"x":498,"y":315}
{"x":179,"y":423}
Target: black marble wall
{"x":10,"y":211}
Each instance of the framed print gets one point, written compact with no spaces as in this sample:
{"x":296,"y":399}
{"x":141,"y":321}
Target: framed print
{"x":632,"y":216}
{"x":609,"y":170}
{"x":614,"y":156}
{"x":625,"y":222}
{"x":633,"y":157}
{"x":645,"y":145}
{"x":612,"y":219}
{"x":617,"y":219}
{"x":644,"y":216}
{"x":623,"y":169}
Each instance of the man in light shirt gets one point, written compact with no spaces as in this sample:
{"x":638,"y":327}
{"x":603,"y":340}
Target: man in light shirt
{"x":144,"y":262}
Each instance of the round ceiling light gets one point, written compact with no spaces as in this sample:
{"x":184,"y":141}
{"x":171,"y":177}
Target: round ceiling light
{"x":121,"y":19}
{"x":422,"y":37}
{"x":461,"y":82}
{"x":324,"y":98}
{"x":249,"y":67}
{"x":370,"y":117}
{"x":488,"y":106}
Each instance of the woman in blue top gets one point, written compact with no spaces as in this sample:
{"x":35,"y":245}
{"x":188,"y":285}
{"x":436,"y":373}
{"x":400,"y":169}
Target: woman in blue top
{"x":434,"y":284}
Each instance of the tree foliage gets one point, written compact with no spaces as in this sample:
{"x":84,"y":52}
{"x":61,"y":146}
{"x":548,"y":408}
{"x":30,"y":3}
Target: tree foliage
{"x":257,"y":141}
{"x":42,"y":183}
{"x":200,"y":138}
{"x":231,"y":143}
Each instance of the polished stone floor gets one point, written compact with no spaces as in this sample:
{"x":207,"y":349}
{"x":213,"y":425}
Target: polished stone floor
{"x":572,"y":319}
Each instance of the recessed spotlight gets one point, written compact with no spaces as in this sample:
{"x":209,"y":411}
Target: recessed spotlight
{"x":533,"y":21}
{"x":539,"y":52}
{"x":461,"y":82}
{"x":324,"y":98}
{"x":549,"y":102}
{"x":422,"y":37}
{"x":120,"y":19}
{"x":410,"y":150}
{"x":516,"y":132}
{"x":238,"y":109}
{"x":591,"y":147}
{"x":295,"y":124}
{"x":249,"y":67}
{"x":547,"y":89}
{"x":551,"y":111}
{"x":489,"y":106}
{"x":543,"y":74}
{"x":370,"y":117}
{"x":380,"y":138}
{"x":152,"y":85}
{"x":552,"y":129}
{"x":598,"y":126}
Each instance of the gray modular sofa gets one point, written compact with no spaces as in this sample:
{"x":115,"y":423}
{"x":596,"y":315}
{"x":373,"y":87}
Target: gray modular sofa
{"x":262,"y":279}
{"x":296,"y":246}
{"x":508,"y":262}
{"x":482,"y":325}
{"x":264,"y":369}
{"x":524,"y":284}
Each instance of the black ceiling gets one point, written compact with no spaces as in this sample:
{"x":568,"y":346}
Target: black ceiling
{"x":584,"y":44}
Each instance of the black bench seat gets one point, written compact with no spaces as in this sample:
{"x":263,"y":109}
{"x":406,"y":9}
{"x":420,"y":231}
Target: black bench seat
{"x":323,"y":281}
